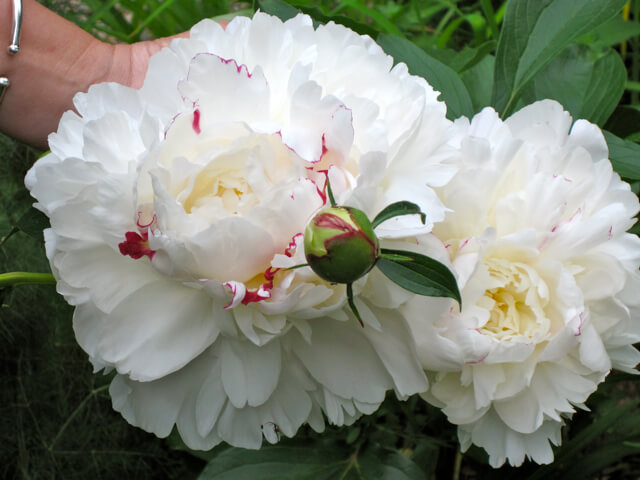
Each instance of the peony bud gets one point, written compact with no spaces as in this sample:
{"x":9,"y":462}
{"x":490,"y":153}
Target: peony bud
{"x":340,"y":245}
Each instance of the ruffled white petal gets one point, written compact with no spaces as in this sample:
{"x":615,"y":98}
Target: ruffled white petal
{"x":545,"y":268}
{"x":177,"y":210}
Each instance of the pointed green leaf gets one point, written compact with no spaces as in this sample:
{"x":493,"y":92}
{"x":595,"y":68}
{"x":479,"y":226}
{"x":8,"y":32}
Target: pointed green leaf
{"x":397,"y":209}
{"x":462,"y":60}
{"x":311,"y":461}
{"x":381,"y":464}
{"x":284,"y":11}
{"x":397,"y":258}
{"x":595,"y":462}
{"x":624,"y":121}
{"x":421,"y":274}
{"x":479,"y":80}
{"x":624,"y":155}
{"x":440,"y":76}
{"x":278,"y":8}
{"x":279,"y":462}
{"x":588,"y":88}
{"x":613,"y":32}
{"x":534,"y":32}
{"x":33,"y":222}
{"x":571,"y":450}
{"x":378,"y":18}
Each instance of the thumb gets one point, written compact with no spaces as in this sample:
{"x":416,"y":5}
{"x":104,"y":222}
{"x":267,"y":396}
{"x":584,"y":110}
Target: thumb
{"x":141,"y":52}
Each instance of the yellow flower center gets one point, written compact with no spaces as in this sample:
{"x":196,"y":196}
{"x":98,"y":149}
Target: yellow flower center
{"x":516,"y":302}
{"x":229,"y":186}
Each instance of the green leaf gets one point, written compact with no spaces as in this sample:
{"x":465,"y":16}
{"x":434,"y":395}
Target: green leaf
{"x":280,"y":9}
{"x":624,"y":121}
{"x":354,"y":433}
{"x":284,"y":11}
{"x":571,"y":449}
{"x":534,"y":32}
{"x":98,"y":14}
{"x":624,"y":155}
{"x":479,"y":54}
{"x":588,"y":88}
{"x":377,"y":17}
{"x":174,"y":442}
{"x":490,"y":14}
{"x":464,"y":59}
{"x":278,"y":462}
{"x":227,"y":17}
{"x":311,"y":462}
{"x":33,"y":222}
{"x":611,"y":33}
{"x":479,"y":82}
{"x":596,"y":461}
{"x":397,"y":209}
{"x":425,"y":455}
{"x":440,"y":76}
{"x":421,"y":274}
{"x":379,"y":464}
{"x":155,"y":13}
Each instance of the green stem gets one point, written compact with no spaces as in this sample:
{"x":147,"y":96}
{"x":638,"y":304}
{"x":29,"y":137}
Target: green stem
{"x":352,"y":462}
{"x":491,"y":17}
{"x":91,"y":394}
{"x":297,"y":266}
{"x":352,"y":304}
{"x":13,"y":231}
{"x":13,"y":279}
{"x":457,"y":465}
{"x":332,"y":200}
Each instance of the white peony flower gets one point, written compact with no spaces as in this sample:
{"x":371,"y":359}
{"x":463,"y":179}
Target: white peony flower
{"x":549,"y":281}
{"x":176,"y":210}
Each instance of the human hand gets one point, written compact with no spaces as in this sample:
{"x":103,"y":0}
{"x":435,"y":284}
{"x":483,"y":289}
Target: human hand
{"x":57,"y":59}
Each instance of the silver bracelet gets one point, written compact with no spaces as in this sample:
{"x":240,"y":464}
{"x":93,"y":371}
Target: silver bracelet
{"x":14,"y":46}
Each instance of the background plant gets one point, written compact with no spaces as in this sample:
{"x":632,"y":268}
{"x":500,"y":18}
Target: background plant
{"x":55,"y":415}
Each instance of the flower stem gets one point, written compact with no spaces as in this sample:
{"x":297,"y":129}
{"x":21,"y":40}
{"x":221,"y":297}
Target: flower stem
{"x":297,"y":266}
{"x":457,"y":465}
{"x":13,"y":279}
{"x":352,"y":304}
{"x":332,"y":199}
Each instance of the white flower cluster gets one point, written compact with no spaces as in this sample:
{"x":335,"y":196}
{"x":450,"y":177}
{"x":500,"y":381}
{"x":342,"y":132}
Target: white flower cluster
{"x":178,"y":209}
{"x":548,"y":276}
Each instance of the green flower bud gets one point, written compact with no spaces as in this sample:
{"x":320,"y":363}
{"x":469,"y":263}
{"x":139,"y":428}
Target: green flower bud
{"x":340,"y":245}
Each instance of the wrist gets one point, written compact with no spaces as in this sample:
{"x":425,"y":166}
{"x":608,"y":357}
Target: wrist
{"x":6,"y":34}
{"x":119,"y":65}
{"x":56,"y":60}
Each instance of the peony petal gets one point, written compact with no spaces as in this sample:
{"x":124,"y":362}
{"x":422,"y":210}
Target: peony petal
{"x":240,"y":428}
{"x":336,"y":353}
{"x":147,"y":341}
{"x":389,"y":343}
{"x":237,"y":94}
{"x":210,"y":400}
{"x":520,"y":413}
{"x":249,"y":373}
